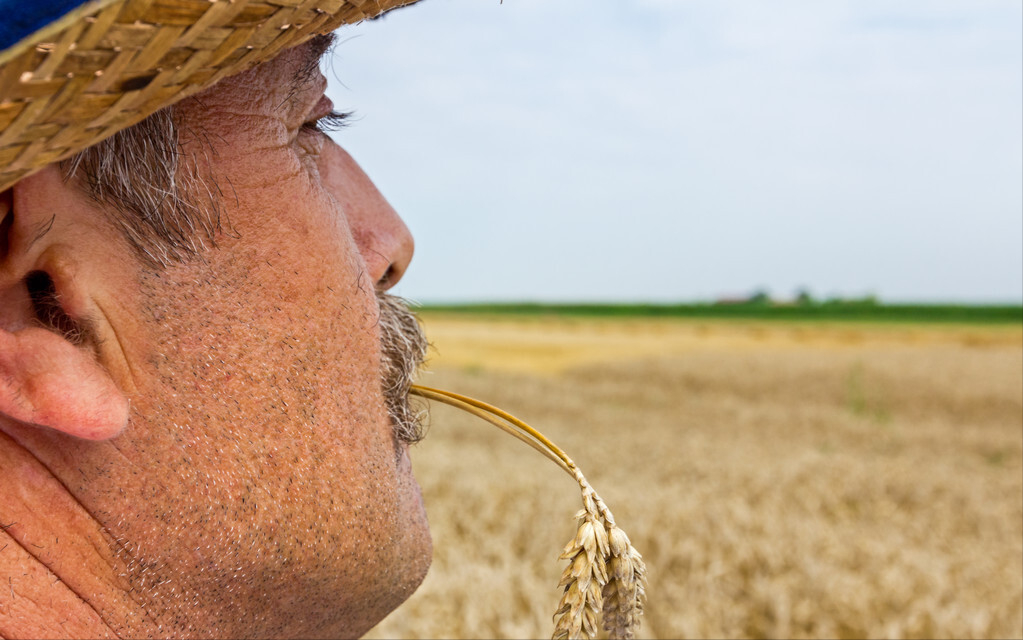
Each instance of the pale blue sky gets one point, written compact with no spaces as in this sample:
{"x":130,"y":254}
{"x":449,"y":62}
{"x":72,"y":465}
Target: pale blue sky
{"x":686,"y":149}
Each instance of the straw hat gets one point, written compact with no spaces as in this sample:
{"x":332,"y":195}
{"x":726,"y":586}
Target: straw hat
{"x":73,"y":72}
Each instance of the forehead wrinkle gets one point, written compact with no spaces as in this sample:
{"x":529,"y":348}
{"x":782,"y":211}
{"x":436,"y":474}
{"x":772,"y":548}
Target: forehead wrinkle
{"x":246,"y":130}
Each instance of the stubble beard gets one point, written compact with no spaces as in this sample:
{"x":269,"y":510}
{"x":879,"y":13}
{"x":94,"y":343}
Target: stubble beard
{"x":403,"y":348}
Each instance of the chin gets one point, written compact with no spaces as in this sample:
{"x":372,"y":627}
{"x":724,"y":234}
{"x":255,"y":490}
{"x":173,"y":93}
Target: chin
{"x":420,"y":543}
{"x":418,"y":549}
{"x":413,"y":557}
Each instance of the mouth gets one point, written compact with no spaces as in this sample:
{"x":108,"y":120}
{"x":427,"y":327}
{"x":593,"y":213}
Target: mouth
{"x":403,"y":348}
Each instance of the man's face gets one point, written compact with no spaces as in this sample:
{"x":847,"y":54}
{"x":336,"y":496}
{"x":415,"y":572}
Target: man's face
{"x":259,"y":488}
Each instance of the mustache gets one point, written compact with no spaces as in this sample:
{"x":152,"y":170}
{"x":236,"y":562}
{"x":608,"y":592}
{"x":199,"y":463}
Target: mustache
{"x":403,"y":347}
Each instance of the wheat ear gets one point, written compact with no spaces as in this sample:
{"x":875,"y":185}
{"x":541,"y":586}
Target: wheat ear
{"x":605,"y":576}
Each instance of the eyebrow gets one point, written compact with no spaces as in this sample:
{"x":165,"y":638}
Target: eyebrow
{"x":321,"y":44}
{"x":313,"y":51}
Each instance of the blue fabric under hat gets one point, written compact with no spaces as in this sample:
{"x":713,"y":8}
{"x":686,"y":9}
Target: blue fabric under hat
{"x":19,"y":18}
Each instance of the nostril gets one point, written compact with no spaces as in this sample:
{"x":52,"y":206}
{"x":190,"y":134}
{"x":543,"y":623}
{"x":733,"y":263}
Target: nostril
{"x":388,"y":278}
{"x":399,"y":255}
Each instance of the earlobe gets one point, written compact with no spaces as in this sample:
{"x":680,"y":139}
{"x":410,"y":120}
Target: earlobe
{"x":46,"y":381}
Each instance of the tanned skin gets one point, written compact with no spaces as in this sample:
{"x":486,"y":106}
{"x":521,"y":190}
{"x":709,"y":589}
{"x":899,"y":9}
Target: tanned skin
{"x":210,"y":454}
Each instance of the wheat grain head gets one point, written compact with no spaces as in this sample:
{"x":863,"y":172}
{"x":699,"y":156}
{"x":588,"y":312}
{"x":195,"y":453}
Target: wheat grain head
{"x":605,"y":576}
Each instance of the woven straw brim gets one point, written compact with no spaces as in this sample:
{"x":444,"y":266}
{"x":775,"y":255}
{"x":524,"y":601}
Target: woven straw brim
{"x":111,"y":63}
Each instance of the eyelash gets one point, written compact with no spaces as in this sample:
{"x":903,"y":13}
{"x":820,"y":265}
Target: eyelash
{"x":333,"y":121}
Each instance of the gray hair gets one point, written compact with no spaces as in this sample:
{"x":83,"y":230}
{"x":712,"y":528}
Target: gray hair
{"x":403,"y":347}
{"x":152,"y":191}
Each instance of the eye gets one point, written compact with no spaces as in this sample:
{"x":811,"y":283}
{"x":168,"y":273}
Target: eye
{"x":331,"y":121}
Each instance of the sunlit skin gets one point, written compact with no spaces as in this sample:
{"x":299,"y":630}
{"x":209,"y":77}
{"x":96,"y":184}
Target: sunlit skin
{"x":218,"y":459}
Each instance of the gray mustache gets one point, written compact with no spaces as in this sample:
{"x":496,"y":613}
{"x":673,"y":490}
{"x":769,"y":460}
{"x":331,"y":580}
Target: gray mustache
{"x":403,"y":350}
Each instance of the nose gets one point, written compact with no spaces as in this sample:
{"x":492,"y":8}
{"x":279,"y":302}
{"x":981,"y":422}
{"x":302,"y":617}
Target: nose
{"x":380,"y":234}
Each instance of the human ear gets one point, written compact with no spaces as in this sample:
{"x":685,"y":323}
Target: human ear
{"x":49,"y":373}
{"x":46,"y":381}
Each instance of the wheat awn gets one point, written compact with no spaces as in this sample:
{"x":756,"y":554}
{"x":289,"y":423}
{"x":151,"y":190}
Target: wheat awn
{"x":605,"y":577}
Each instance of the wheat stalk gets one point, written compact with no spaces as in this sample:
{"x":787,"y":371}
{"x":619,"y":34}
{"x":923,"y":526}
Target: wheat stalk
{"x":605,"y":577}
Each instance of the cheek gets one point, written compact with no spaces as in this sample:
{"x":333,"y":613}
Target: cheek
{"x":287,"y":205}
{"x":261,"y":423}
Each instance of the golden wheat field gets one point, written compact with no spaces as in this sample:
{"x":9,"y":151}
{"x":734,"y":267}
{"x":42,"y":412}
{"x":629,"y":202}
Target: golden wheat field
{"x":780,"y":479}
